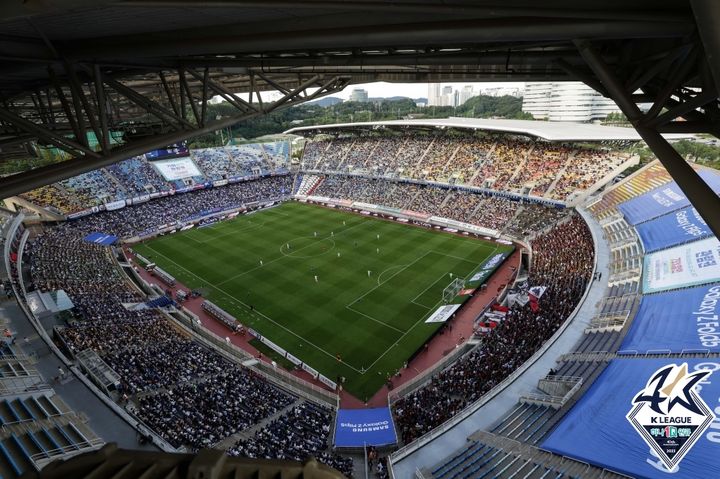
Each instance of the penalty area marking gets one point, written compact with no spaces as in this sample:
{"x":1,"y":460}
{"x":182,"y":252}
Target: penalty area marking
{"x":258,"y":313}
{"x":249,"y":227}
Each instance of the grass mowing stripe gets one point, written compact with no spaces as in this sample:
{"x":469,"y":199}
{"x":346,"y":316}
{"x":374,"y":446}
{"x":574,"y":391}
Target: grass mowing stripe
{"x":247,"y":306}
{"x":311,"y":319}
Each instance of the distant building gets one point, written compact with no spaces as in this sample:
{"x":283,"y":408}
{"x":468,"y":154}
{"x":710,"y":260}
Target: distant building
{"x":465,"y":94}
{"x":565,"y":101}
{"x":434,"y":97}
{"x":448,"y":96}
{"x":358,"y":94}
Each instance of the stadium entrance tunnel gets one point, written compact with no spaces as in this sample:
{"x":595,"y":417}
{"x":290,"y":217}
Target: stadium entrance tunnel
{"x":305,"y":247}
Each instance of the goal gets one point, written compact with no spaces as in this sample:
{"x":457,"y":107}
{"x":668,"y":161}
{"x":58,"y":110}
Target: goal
{"x":452,"y":289}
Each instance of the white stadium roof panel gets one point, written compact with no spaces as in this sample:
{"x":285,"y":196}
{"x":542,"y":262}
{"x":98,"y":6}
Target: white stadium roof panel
{"x":547,"y":130}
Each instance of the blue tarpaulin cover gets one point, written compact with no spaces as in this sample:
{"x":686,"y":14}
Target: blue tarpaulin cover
{"x":101,"y":238}
{"x":597,"y":431}
{"x":359,"y":427}
{"x":677,"y":320}
{"x":672,"y":229}
{"x":662,"y":200}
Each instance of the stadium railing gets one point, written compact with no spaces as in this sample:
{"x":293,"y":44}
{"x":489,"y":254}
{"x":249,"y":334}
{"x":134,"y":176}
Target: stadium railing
{"x":235,"y":354}
{"x":20,"y":295}
{"x":472,"y":408}
{"x":419,"y":380}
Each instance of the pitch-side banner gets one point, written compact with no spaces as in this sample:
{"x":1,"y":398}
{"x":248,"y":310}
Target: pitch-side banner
{"x":662,"y":200}
{"x":690,"y":264}
{"x":686,"y":319}
{"x":364,"y":427}
{"x":672,"y":229}
{"x":597,"y":431}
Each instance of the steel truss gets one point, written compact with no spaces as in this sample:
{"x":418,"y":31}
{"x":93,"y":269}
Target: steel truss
{"x":55,"y":88}
{"x":154,"y":111}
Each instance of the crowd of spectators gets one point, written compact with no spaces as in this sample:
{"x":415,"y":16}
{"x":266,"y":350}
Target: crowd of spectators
{"x":189,"y":395}
{"x":94,"y":188}
{"x":433,"y":165}
{"x":201,"y":413}
{"x":302,"y":431}
{"x":562,"y":262}
{"x":52,"y":198}
{"x":584,"y":168}
{"x":503,"y":163}
{"x":216,"y":163}
{"x":177,"y":209}
{"x":137,"y":177}
{"x":489,"y":211}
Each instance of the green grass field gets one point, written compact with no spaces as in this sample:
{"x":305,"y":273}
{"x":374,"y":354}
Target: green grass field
{"x":373,"y":322}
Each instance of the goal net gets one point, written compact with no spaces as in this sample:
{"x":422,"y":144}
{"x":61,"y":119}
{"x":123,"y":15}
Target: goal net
{"x":453,"y":289}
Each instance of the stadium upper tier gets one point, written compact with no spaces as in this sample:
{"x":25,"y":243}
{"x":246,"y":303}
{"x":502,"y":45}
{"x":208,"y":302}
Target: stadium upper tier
{"x":140,"y":176}
{"x":548,"y":170}
{"x":552,"y":171}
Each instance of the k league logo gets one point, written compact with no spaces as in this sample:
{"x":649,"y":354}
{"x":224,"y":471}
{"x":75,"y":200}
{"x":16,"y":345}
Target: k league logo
{"x":669,"y":414}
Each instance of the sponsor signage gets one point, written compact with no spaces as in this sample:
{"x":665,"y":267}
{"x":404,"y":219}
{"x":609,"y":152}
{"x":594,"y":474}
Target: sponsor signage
{"x":676,"y":321}
{"x":443,"y":313}
{"x":646,"y":418}
{"x":678,"y":227}
{"x":364,"y":427}
{"x":177,"y":169}
{"x":687,"y":265}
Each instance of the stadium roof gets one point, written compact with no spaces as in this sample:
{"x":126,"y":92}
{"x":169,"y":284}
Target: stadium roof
{"x":547,"y":130}
{"x":149,"y":67}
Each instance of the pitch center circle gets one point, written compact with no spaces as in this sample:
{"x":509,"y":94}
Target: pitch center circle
{"x":304,"y":247}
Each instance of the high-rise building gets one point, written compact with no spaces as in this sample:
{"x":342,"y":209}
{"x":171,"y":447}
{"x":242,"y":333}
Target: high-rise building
{"x":434,"y":97}
{"x":358,"y":94}
{"x":448,"y":97}
{"x":565,"y":101}
{"x":465,"y":94}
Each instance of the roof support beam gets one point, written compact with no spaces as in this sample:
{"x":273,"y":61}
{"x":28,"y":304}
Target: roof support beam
{"x":702,"y":197}
{"x":22,"y":182}
{"x":707,"y":16}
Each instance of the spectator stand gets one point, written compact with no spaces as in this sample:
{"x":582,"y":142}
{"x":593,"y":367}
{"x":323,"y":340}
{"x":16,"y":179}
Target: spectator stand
{"x":407,"y":455}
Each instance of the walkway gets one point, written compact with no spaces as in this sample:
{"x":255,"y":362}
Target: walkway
{"x":108,"y":425}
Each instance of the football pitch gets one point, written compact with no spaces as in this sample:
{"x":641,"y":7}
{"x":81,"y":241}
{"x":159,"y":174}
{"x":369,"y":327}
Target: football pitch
{"x":345,"y":293}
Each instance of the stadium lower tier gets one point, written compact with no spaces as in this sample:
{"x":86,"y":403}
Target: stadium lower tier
{"x":352,"y":296}
{"x":193,"y":397}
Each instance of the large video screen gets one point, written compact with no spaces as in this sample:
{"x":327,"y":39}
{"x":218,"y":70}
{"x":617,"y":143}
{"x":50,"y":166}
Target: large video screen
{"x":177,"y":169}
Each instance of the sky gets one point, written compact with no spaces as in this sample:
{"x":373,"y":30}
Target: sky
{"x":410,"y":90}
{"x":418,"y":90}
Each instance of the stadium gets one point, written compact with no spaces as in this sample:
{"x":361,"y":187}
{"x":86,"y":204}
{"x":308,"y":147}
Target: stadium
{"x":411,"y":298}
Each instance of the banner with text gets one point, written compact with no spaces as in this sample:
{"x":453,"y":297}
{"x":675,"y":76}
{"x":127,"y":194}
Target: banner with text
{"x":663,"y":199}
{"x":686,"y":319}
{"x":364,"y":427}
{"x":672,"y":229}
{"x":690,"y":264}
{"x":597,"y":431}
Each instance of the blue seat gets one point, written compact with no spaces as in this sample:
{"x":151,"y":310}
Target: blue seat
{"x":10,"y":459}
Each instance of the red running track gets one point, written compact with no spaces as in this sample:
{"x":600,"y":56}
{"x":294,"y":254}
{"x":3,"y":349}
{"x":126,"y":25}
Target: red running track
{"x":456,"y":332}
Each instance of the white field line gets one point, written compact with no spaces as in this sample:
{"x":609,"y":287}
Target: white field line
{"x":256,"y":311}
{"x":391,"y":277}
{"x":283,"y":255}
{"x":374,"y":319}
{"x":422,"y":319}
{"x":424,"y":290}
